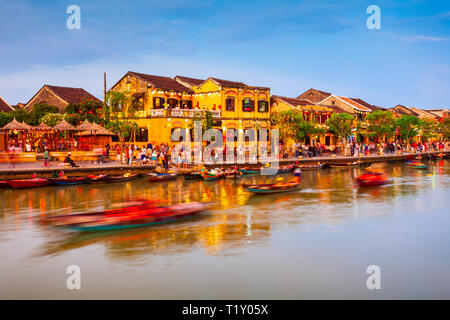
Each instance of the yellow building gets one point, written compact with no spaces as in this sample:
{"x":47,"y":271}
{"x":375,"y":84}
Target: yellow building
{"x":165,"y":104}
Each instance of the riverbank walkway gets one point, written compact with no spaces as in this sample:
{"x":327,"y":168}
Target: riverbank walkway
{"x":24,"y":170}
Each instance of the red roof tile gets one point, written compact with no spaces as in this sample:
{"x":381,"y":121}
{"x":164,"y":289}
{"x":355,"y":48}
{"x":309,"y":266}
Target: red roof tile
{"x":191,"y":81}
{"x":4,"y":106}
{"x":354,"y":104}
{"x":295,"y":101}
{"x":72,"y":95}
{"x":160,"y":82}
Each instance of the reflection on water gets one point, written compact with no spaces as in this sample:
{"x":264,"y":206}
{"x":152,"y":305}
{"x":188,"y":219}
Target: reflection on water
{"x":237,"y":220}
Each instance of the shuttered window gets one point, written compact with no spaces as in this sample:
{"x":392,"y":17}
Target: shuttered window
{"x":229,"y":104}
{"x":158,"y":103}
{"x":263,"y":106}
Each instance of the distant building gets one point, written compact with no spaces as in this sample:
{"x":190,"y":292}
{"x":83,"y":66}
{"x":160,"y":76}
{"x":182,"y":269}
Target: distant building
{"x":312,"y":112}
{"x":60,"y":97}
{"x":442,"y":113}
{"x":314,"y":95}
{"x":346,"y":104}
{"x":4,"y":106}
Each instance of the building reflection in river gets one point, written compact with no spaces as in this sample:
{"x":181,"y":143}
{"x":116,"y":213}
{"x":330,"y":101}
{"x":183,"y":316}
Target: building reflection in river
{"x":237,"y":218}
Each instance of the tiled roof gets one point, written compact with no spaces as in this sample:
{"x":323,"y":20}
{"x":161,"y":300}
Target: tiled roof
{"x":4,"y":106}
{"x":295,"y":101}
{"x":354,"y":104}
{"x":230,"y":84}
{"x":403,"y":110}
{"x":323,"y":93}
{"x":160,"y":82}
{"x":72,"y":95}
{"x":365,"y":104}
{"x":191,"y":81}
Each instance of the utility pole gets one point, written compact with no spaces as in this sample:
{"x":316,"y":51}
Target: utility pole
{"x":104,"y":87}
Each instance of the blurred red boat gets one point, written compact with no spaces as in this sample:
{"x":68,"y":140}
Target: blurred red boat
{"x":372,"y":179}
{"x":133,"y":214}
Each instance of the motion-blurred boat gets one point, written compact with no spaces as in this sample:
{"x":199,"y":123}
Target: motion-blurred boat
{"x":354,"y":164}
{"x":131,"y":215}
{"x":152,"y":177}
{"x":372,"y":179}
{"x":417,"y":165}
{"x":110,"y":179}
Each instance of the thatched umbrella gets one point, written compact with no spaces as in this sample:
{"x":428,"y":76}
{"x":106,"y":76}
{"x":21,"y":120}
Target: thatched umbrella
{"x":101,"y":132}
{"x":87,"y":126}
{"x":64,"y":126}
{"x":26,"y":126}
{"x":94,"y":129}
{"x":14,"y":125}
{"x":42,"y":127}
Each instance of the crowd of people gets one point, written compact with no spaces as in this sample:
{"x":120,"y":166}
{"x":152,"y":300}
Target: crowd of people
{"x":149,"y":154}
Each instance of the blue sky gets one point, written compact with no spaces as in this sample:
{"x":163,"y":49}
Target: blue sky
{"x":289,"y":46}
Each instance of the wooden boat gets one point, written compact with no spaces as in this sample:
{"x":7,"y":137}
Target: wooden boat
{"x":309,"y":167}
{"x":248,"y":170}
{"x":136,"y":214}
{"x":272,"y":187}
{"x":68,"y":181}
{"x":285,"y":169}
{"x":28,"y":183}
{"x":4,"y":184}
{"x":355,"y":164}
{"x":276,"y":187}
{"x":235,"y":174}
{"x":211,"y":175}
{"x":371,"y":179}
{"x":152,"y":177}
{"x":110,"y":179}
{"x":192,"y":175}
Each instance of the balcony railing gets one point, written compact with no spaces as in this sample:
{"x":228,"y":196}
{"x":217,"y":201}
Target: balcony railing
{"x":181,"y":113}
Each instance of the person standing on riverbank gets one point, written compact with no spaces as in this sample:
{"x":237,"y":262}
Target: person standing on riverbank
{"x":46,"y":155}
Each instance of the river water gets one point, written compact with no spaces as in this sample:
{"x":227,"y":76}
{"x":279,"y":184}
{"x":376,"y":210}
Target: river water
{"x":313,"y":243}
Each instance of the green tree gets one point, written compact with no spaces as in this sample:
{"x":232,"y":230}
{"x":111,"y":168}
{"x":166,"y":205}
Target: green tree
{"x":292,"y":126}
{"x":206,"y":119}
{"x":444,"y":127}
{"x":124,"y":129}
{"x":408,"y":127}
{"x":429,"y":129}
{"x":88,"y":109}
{"x":40,"y":110}
{"x":21,"y":115}
{"x":381,"y":124}
{"x":5,"y":118}
{"x":52,"y":119}
{"x":340,"y":124}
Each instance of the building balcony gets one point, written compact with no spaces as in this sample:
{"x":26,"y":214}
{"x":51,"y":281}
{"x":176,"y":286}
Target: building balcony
{"x":181,"y":113}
